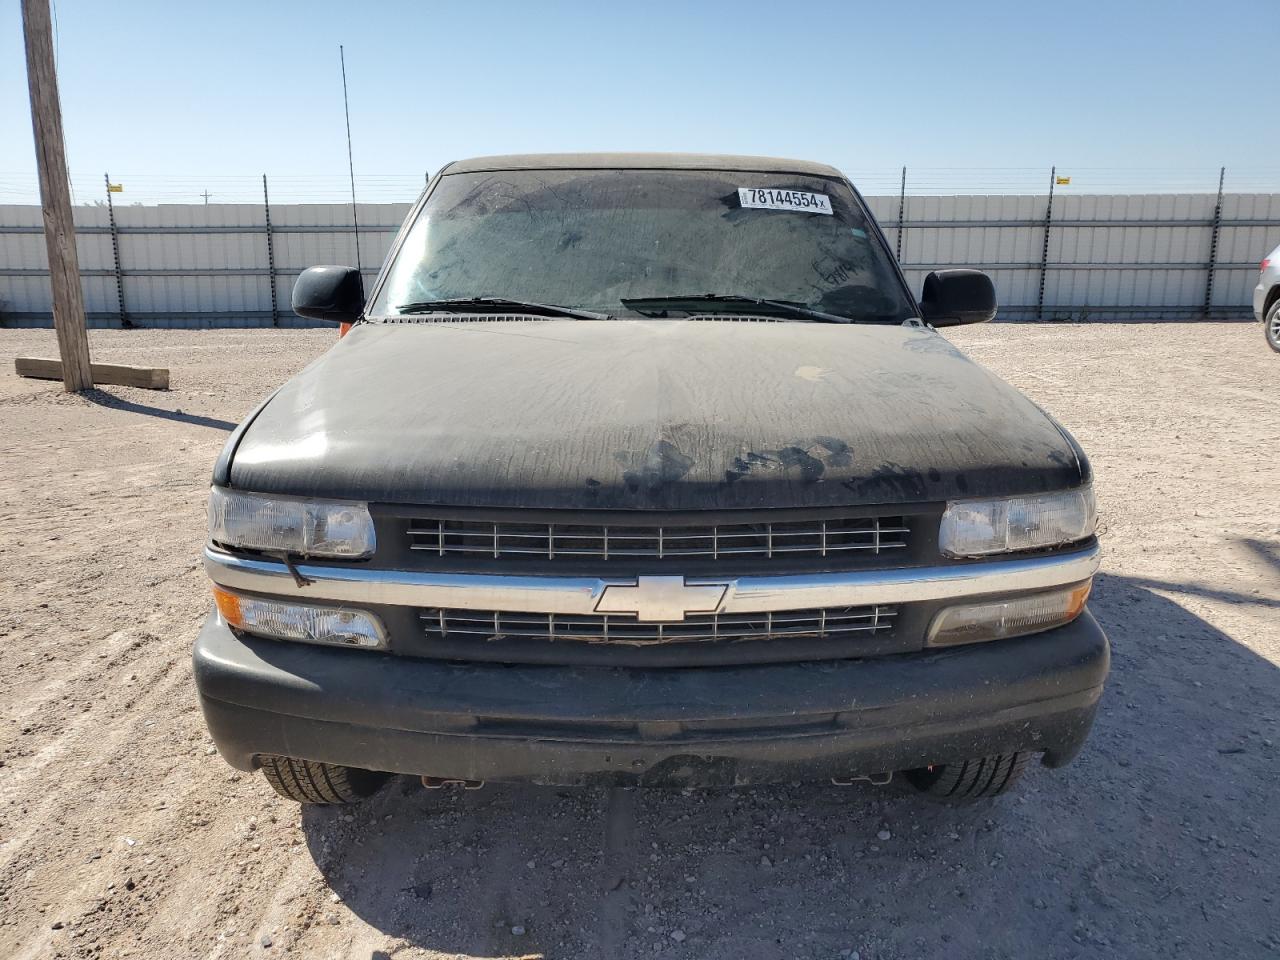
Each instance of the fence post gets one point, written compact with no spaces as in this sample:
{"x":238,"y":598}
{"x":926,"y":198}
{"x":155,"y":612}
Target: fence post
{"x":1213,"y":244}
{"x":125,"y":322}
{"x":271,"y":255}
{"x":902,"y":213}
{"x":1044,"y":251}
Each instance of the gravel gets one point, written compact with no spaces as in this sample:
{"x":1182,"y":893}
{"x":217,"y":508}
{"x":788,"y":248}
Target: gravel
{"x":1154,"y":843}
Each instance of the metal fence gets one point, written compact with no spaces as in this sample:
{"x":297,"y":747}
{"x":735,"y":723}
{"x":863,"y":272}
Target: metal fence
{"x":1081,"y":257}
{"x":1104,"y":256}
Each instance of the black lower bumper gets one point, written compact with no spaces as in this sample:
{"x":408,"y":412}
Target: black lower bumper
{"x":695,"y":726}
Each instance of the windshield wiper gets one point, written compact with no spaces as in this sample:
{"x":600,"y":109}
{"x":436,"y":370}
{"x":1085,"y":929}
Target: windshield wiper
{"x":491,"y":304}
{"x":693,"y":302}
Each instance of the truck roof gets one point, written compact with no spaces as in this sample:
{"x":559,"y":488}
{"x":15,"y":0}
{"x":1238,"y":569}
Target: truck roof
{"x":640,"y":161}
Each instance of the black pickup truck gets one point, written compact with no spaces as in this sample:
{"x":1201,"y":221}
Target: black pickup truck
{"x":647,"y":469}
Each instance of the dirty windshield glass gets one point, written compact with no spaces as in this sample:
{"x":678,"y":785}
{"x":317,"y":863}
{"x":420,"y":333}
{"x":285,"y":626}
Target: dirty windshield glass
{"x":590,"y":239}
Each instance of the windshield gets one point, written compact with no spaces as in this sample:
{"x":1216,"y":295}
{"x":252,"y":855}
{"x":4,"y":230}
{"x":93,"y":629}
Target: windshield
{"x":590,"y":239}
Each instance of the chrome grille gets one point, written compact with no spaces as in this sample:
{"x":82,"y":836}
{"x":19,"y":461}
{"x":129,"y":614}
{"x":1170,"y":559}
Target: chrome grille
{"x":815,"y":538}
{"x":739,"y":318}
{"x":831,"y":623}
{"x":464,"y":317}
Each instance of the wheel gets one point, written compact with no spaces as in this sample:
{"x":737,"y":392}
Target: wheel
{"x":307,"y":781}
{"x":1271,"y":327}
{"x":970,"y":779}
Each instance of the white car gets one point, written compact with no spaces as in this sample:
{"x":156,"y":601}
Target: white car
{"x":1266,"y":298}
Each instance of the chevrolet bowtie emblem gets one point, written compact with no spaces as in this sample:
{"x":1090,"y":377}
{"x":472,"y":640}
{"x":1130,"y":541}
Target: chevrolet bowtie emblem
{"x":661,"y":599}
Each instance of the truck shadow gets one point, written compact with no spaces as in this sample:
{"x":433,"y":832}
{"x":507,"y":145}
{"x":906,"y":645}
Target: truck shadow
{"x":1164,"y":832}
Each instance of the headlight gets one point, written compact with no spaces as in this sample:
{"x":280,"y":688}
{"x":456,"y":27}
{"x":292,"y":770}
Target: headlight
{"x":1012,"y":617}
{"x":974,"y":528}
{"x":283,"y":620}
{"x":309,"y":528}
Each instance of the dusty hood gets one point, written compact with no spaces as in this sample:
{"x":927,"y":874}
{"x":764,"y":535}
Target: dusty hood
{"x":649,"y":414}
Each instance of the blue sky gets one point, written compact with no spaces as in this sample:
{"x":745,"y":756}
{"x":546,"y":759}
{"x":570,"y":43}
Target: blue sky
{"x":171,"y":97}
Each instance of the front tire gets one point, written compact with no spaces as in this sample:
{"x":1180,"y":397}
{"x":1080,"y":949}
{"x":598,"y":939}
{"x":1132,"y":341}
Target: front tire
{"x":970,"y":780}
{"x":1271,"y":327}
{"x":308,"y":781}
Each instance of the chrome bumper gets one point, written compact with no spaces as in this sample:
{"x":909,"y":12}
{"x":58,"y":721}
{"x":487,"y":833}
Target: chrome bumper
{"x":582,"y":595}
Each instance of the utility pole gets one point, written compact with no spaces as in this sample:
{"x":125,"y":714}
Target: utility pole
{"x":125,"y":323}
{"x":206,"y":196}
{"x":55,"y":197}
{"x":1213,"y":245}
{"x":902,"y":214}
{"x":1044,"y":251}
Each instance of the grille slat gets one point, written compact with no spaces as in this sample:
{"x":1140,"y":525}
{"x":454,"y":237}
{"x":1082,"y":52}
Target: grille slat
{"x":831,"y":623}
{"x":614,"y":552}
{"x":661,"y":535}
{"x":769,"y":540}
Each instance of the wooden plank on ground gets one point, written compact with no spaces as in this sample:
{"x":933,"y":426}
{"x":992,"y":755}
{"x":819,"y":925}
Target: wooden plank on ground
{"x":45,"y":368}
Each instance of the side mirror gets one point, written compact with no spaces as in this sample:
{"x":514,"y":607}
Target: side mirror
{"x":335,"y":294}
{"x":953,"y":297}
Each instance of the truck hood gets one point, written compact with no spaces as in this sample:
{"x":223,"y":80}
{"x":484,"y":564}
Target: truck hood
{"x":648,"y":414}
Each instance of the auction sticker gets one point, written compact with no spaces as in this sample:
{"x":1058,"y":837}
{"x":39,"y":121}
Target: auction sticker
{"x":767,"y":198}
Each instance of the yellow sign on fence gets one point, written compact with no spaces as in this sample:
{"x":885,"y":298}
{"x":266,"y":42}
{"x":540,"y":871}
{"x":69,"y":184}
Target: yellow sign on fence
{"x":115,"y":188}
{"x":1063,"y":181}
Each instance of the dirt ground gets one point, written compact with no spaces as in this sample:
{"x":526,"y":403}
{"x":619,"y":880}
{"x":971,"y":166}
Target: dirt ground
{"x":123,"y":834}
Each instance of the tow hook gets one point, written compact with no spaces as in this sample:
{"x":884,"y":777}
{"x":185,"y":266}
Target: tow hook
{"x":875,"y":779}
{"x":437,"y":783}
